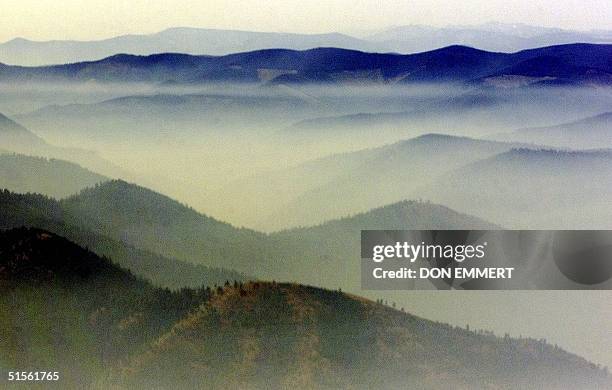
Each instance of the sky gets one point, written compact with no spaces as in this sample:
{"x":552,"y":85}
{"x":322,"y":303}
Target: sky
{"x":99,"y":19}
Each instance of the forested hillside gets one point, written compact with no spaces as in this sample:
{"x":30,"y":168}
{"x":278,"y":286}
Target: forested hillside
{"x":101,"y":327}
{"x":146,"y":231}
{"x":38,"y":211}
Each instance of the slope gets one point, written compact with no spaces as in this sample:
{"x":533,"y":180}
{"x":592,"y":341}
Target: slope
{"x":154,"y":222}
{"x":588,"y":133}
{"x":55,"y":178}
{"x":38,"y":211}
{"x":117,"y":331}
{"x":343,"y":184}
{"x":328,"y":254}
{"x":574,"y":62}
{"x":64,"y":307}
{"x":13,"y":134}
{"x":284,"y":335}
{"x":16,"y":138}
{"x":539,"y":189}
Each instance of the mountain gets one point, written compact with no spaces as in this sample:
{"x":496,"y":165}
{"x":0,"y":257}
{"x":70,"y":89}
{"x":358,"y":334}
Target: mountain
{"x":283,"y":335}
{"x":343,"y":184}
{"x":532,"y":189}
{"x":589,"y":133}
{"x":83,"y":312}
{"x":403,"y":39}
{"x":184,"y":115}
{"x":321,"y":254}
{"x":38,"y":211}
{"x":117,"y":331}
{"x":16,"y":138}
{"x":584,"y":63}
{"x":174,"y":40}
{"x":578,"y":64}
{"x":497,"y":37}
{"x":479,"y":111}
{"x":140,"y":217}
{"x":55,"y":178}
{"x":320,"y":65}
{"x":139,"y":228}
{"x":13,"y":134}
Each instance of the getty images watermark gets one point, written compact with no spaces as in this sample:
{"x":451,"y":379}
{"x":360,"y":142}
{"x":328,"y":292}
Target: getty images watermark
{"x":486,"y":259}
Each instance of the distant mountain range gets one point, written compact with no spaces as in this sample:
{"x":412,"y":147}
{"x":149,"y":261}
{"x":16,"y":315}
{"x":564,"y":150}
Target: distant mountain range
{"x":346,"y":183}
{"x":153,"y":115}
{"x":197,"y":41}
{"x":194,"y":41}
{"x":498,"y":37}
{"x":532,"y":189}
{"x":118,"y":331}
{"x":16,"y":138}
{"x":517,"y":185}
{"x":589,"y":133}
{"x":572,"y":64}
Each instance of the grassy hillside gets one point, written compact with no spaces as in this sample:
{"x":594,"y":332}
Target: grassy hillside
{"x":101,"y":327}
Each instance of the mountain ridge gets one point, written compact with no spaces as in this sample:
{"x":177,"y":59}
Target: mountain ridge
{"x":129,"y":220}
{"x":453,"y":63}
{"x":18,"y":139}
{"x":39,"y":211}
{"x":347,"y":183}
{"x":193,"y":40}
{"x":53,"y":177}
{"x":121,"y":332}
{"x":543,"y":198}
{"x":586,"y":133}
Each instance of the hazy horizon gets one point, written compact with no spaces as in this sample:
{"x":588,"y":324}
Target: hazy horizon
{"x":95,"y":20}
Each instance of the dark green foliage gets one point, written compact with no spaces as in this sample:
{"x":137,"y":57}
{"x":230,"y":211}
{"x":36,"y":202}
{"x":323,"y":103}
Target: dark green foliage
{"x":64,"y":307}
{"x":40,"y":211}
{"x":154,"y":222}
{"x":288,"y":335}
